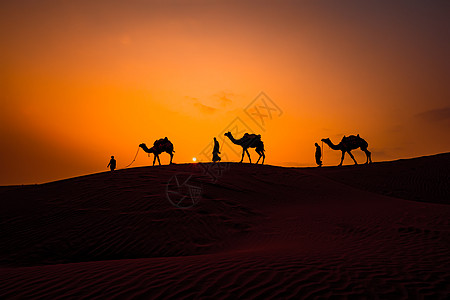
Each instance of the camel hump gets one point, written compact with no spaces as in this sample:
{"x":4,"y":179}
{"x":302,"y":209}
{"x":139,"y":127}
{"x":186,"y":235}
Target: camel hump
{"x":158,"y":142}
{"x":251,"y":140}
{"x":252,"y":136}
{"x":352,"y":140}
{"x":162,"y":143}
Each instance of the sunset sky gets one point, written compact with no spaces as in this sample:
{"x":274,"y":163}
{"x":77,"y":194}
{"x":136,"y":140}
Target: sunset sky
{"x":84,"y":80}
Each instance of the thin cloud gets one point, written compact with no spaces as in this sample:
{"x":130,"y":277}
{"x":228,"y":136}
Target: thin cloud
{"x":394,"y":129}
{"x":193,"y":99}
{"x":224,"y":98}
{"x":205,"y":108}
{"x":220,"y":102}
{"x":435,"y":115}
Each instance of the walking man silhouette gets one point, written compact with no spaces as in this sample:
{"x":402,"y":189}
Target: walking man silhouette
{"x":216,"y":151}
{"x":318,"y":155}
{"x":112,"y":163}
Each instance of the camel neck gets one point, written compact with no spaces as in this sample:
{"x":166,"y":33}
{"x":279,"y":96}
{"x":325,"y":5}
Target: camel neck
{"x":233,"y":140}
{"x":333,"y":146}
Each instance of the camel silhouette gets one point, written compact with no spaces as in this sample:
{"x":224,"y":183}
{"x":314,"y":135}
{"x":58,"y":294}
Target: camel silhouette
{"x":348,"y":144}
{"x":249,"y":141}
{"x":159,"y":146}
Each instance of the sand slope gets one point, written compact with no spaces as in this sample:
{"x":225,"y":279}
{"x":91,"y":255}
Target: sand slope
{"x":257,"y":232}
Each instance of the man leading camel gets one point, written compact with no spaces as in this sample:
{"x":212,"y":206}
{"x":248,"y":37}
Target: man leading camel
{"x":216,"y":151}
{"x":318,"y":155}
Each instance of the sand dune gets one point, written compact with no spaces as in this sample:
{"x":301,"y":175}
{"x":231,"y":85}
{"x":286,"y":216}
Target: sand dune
{"x":377,"y":231}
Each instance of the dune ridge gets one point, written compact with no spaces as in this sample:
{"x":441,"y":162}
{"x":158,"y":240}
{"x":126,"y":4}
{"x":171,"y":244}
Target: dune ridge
{"x":376,"y":231}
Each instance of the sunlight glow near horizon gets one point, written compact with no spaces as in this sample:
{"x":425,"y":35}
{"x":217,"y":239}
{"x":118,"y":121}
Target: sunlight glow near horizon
{"x":82,"y":81}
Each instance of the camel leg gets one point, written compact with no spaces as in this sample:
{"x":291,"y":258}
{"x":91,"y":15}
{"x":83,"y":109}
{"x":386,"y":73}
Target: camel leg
{"x":243,"y":153}
{"x":158,"y":160}
{"x":369,"y":156}
{"x":342,"y":158}
{"x":154,"y":159}
{"x":248,"y":154}
{"x":259,"y":158}
{"x":171,"y":157}
{"x":351,"y":155}
{"x":261,"y":155}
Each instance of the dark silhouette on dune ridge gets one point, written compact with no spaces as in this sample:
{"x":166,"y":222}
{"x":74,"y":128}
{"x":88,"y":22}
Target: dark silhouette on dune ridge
{"x":216,"y":151}
{"x":159,"y":146}
{"x":318,"y":155}
{"x":112,"y":163}
{"x":347,"y":144}
{"x":249,"y":141}
{"x":259,"y":232}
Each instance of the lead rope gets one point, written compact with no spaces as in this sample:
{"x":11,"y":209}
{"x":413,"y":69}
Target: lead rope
{"x":133,"y":158}
{"x":221,"y":146}
{"x":223,"y":142}
{"x":322,"y":152}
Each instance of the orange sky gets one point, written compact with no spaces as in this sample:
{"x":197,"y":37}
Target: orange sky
{"x":81,"y":81}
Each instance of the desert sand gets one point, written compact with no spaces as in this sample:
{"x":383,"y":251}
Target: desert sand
{"x":379,"y":231}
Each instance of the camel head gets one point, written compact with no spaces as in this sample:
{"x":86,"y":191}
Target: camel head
{"x":228,"y":134}
{"x":326,"y":140}
{"x":144,"y":147}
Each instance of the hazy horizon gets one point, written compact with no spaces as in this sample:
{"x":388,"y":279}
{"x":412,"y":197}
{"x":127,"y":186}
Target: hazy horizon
{"x":82,"y":81}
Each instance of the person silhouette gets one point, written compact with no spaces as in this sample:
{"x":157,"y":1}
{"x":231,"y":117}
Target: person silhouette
{"x":318,"y":155}
{"x":112,"y":163}
{"x":216,"y":151}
